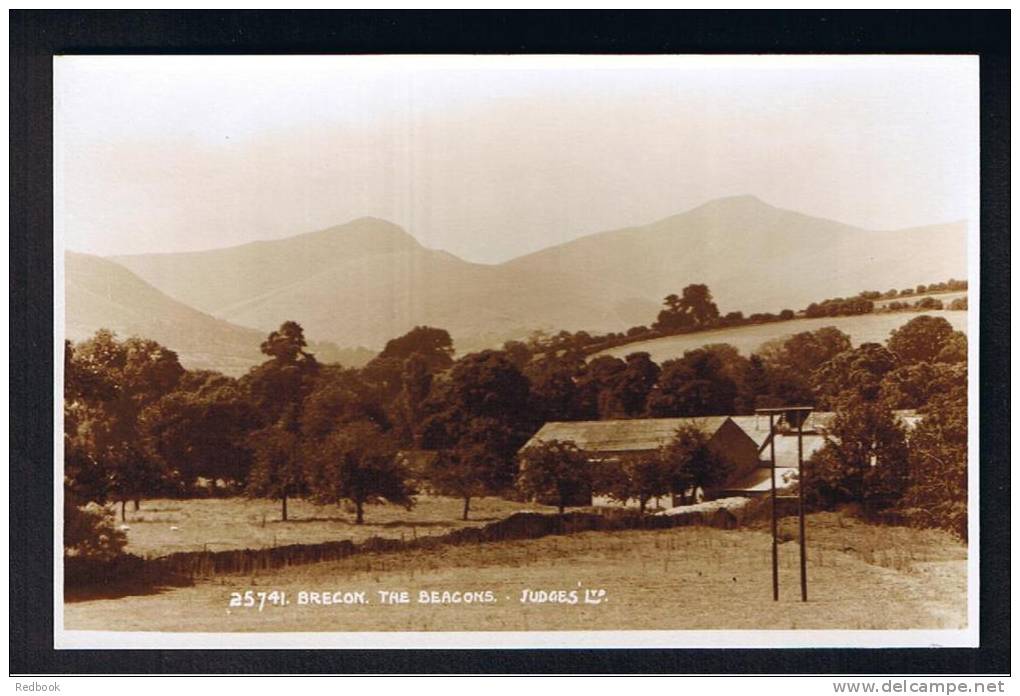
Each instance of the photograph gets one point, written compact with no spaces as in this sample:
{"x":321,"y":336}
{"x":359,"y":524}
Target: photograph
{"x":474,"y":351}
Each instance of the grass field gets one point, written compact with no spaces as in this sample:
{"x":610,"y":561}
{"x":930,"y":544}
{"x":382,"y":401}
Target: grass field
{"x":861,"y":577}
{"x":218,"y":524}
{"x":945,"y":297}
{"x":866,"y":328}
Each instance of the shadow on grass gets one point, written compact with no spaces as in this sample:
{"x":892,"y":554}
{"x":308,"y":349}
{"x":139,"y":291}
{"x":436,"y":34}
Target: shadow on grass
{"x":88,"y":578}
{"x":118,"y":590}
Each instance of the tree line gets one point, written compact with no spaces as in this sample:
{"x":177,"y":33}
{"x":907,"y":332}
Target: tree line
{"x":870,"y":458}
{"x":694,"y":310}
{"x":138,"y":425}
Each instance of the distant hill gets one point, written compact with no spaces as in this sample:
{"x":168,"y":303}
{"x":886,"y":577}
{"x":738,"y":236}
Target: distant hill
{"x":367,"y":281}
{"x":103,"y":294}
{"x":863,"y":328}
{"x":758,"y":258}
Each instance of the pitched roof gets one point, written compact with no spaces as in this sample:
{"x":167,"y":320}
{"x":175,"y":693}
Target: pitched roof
{"x":635,"y":435}
{"x":822,"y":420}
{"x":756,"y":427}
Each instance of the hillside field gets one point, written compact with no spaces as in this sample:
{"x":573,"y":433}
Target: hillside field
{"x":861,"y":576}
{"x":945,"y":297}
{"x":165,"y":526}
{"x":865,"y":328}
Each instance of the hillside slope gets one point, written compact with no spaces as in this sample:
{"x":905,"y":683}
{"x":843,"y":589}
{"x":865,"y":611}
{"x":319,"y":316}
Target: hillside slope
{"x":102,"y":294}
{"x":368,"y":281}
{"x":758,"y":258}
{"x":864,"y":328}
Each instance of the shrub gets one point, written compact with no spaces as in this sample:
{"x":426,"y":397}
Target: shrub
{"x":90,"y":532}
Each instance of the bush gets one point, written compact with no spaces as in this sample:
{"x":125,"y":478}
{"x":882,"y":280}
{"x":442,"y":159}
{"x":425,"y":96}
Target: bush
{"x":90,"y":533}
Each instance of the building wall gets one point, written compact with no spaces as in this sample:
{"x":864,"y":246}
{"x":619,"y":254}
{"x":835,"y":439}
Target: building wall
{"x":731,"y":442}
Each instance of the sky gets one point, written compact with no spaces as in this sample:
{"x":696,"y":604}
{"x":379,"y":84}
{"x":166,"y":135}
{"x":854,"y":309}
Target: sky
{"x":490,"y":158}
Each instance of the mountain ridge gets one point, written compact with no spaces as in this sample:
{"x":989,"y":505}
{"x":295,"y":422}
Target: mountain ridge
{"x":368,"y":280}
{"x":100,"y":293}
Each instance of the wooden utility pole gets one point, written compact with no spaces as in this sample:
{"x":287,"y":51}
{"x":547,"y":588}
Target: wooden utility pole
{"x":800,"y":504}
{"x":775,"y":527}
{"x":794,"y":415}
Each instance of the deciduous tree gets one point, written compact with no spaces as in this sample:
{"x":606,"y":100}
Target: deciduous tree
{"x":692,"y":461}
{"x":864,"y":459}
{"x":937,"y":493}
{"x":357,"y":462}
{"x":640,"y":478}
{"x":555,"y":470}
{"x":694,"y":385}
{"x":853,"y":372}
{"x":921,"y":339}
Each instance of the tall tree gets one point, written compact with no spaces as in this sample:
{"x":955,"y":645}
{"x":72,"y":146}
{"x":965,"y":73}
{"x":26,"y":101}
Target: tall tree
{"x":476,"y":419}
{"x":554,"y":393}
{"x":806,"y":351}
{"x":631,"y":389}
{"x":278,"y":389}
{"x":139,"y":372}
{"x":201,"y":428}
{"x":853,"y":372}
{"x":697,"y":302}
{"x":922,"y":339}
{"x":937,"y":492}
{"x":434,"y":346}
{"x":278,"y":469}
{"x":865,"y":456}
{"x":87,"y":387}
{"x":429,"y":350}
{"x":596,"y":396}
{"x":693,"y":463}
{"x":555,"y":470}
{"x":358,"y":462}
{"x":408,"y":407}
{"x":692,"y":310}
{"x":694,"y":385}
{"x":287,"y":344}
{"x":278,"y":386}
{"x":474,"y":463}
{"x":913,"y":386}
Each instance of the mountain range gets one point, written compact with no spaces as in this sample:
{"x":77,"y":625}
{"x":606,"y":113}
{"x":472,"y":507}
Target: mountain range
{"x":99,"y":293}
{"x":364,"y":282}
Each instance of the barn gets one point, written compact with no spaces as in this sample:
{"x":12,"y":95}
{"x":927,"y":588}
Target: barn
{"x":758,"y":481}
{"x":609,"y":440}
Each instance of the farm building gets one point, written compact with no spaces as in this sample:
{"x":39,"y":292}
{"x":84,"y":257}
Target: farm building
{"x":743,"y":440}
{"x":610,"y":440}
{"x":759,"y":481}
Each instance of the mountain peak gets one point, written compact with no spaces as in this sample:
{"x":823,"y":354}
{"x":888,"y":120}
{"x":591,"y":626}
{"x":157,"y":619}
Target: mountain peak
{"x":745,"y":200}
{"x":364,"y":233}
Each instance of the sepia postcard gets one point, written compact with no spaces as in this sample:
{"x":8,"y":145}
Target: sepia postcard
{"x":516,"y":351}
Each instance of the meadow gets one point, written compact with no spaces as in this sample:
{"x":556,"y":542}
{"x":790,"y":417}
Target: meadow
{"x":164,"y":526}
{"x":862,"y":576}
{"x":864,"y":328}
